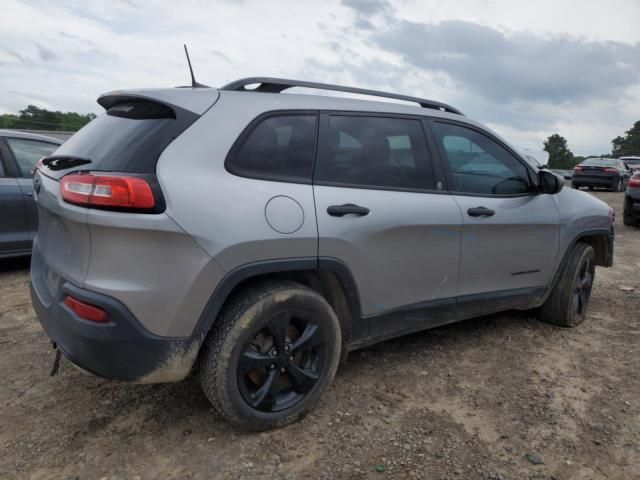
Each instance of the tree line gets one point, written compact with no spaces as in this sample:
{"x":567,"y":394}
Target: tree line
{"x":34,"y":118}
{"x":561,"y":157}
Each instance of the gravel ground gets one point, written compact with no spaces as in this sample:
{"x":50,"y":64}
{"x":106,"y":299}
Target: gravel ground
{"x":501,"y":397}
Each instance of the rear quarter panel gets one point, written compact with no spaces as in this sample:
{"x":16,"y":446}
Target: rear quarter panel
{"x":224,"y":213}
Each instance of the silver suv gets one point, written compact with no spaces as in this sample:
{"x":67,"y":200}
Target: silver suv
{"x":255,"y":237}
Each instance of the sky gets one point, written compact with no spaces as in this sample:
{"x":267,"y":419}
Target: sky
{"x":525,"y":69}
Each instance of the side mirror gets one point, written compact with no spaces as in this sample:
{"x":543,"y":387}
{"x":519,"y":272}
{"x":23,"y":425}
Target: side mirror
{"x":549,"y":182}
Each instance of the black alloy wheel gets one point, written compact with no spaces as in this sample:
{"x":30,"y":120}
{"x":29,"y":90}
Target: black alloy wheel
{"x":567,"y":303}
{"x":282,"y":363}
{"x":271,"y":354}
{"x":582,"y":288}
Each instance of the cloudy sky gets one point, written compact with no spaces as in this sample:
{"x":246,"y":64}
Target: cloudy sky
{"x":526,"y":69}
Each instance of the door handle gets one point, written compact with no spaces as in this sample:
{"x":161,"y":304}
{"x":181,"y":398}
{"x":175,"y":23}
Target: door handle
{"x":480,"y":212}
{"x":346,"y":209}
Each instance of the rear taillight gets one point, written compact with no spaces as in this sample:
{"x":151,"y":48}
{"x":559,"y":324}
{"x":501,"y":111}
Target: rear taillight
{"x":610,"y":170}
{"x":86,"y":311}
{"x":634,"y":182}
{"x":108,"y":191}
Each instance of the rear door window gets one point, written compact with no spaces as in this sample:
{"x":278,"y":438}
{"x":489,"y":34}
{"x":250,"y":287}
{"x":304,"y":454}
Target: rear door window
{"x":279,"y":147}
{"x":376,"y":152}
{"x":27,"y":152}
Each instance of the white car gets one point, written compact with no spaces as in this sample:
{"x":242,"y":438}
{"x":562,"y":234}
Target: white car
{"x":633,"y":162}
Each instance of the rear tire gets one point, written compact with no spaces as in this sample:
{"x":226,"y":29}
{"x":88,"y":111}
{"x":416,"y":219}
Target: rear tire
{"x":271,"y":355}
{"x":575,"y":185}
{"x":628,"y":219}
{"x":590,"y":188}
{"x":620,"y":186}
{"x":567,"y":304}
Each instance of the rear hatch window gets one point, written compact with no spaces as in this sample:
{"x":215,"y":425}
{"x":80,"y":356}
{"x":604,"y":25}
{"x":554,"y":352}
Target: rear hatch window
{"x":599,"y":162}
{"x":128,"y":137}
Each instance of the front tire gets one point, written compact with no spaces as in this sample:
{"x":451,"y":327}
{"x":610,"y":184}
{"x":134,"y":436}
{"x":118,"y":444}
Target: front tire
{"x":271,"y":355}
{"x":567,"y":304}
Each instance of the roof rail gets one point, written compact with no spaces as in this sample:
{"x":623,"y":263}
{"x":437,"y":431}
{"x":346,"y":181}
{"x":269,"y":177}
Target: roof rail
{"x":277,"y":85}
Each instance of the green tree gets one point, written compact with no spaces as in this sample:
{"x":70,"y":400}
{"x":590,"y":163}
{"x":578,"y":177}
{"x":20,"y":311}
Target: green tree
{"x":629,"y":144}
{"x":559,"y":154}
{"x":34,"y":118}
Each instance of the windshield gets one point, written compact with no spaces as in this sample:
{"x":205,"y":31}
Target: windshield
{"x":600,"y":162}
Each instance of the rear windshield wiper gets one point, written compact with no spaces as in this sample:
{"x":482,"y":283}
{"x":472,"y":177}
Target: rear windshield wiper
{"x":59,"y":162}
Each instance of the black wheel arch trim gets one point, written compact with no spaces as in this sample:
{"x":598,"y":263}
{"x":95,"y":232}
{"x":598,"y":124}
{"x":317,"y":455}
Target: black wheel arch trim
{"x":355,"y":325}
{"x":608,"y":255}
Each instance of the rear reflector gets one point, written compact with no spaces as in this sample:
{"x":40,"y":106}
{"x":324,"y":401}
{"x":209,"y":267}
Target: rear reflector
{"x":86,"y":311}
{"x":107,"y":191}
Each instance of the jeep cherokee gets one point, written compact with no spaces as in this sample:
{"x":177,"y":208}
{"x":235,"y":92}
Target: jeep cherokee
{"x":255,"y":237}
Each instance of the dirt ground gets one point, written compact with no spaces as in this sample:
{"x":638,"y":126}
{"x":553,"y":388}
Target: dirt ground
{"x":485,"y":399}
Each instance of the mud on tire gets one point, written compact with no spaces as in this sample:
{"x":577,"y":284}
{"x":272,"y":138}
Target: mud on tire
{"x":567,"y":304}
{"x":270,"y":355}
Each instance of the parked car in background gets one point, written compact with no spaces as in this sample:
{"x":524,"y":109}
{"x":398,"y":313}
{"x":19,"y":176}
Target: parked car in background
{"x":19,"y":153}
{"x":633,"y":162}
{"x":608,"y":173}
{"x":257,"y":237}
{"x":631,"y":216}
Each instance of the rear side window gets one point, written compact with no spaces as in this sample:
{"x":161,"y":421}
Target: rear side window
{"x":375,"y":152}
{"x":480,"y":165}
{"x":27,"y":152}
{"x":129,"y":137}
{"x":279,"y":147}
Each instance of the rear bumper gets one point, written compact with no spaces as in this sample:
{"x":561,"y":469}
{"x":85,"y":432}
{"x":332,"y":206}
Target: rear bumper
{"x":120,"y":349}
{"x":590,"y":181}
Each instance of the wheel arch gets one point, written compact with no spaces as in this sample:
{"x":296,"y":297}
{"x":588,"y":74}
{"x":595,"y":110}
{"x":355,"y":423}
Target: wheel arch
{"x":328,"y":276}
{"x":602,"y":242}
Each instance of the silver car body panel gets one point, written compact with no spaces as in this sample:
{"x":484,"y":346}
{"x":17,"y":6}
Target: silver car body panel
{"x":515,"y":248}
{"x":405,"y":251}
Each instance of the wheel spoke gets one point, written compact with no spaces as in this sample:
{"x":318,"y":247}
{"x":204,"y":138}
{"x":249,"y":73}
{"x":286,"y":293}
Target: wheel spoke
{"x":252,"y":360}
{"x":278,"y":327}
{"x":575,"y":302}
{"x":310,"y":338}
{"x":268,"y":388}
{"x":584,"y":298}
{"x":303,"y":380}
{"x":586,"y":281}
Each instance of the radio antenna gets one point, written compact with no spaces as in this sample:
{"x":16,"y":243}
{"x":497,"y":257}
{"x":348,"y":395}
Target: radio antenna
{"x":194,"y":84}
